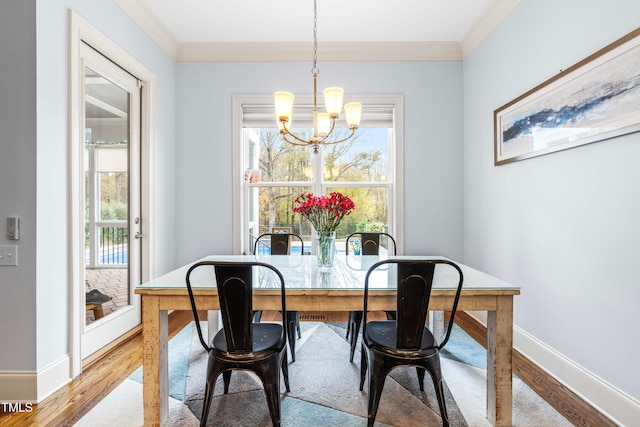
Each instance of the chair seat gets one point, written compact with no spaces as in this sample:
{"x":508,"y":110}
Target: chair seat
{"x":381,"y":336}
{"x":267,"y":338}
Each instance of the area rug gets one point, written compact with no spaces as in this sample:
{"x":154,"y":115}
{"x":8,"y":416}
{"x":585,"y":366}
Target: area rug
{"x":324,"y":390}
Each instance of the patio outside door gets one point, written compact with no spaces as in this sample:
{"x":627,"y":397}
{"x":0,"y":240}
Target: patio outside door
{"x":112,"y":219}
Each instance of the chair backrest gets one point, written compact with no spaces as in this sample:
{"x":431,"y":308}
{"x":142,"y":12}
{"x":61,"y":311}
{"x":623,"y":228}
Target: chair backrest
{"x":414,"y":285}
{"x":234,"y":282}
{"x":280,"y":243}
{"x":370,"y":243}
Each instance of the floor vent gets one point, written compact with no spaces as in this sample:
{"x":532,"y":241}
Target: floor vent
{"x":313,"y":317}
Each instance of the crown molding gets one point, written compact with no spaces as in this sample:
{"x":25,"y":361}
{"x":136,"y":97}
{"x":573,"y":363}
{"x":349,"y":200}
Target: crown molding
{"x":150,"y":24}
{"x":329,"y":51}
{"x":486,"y":23}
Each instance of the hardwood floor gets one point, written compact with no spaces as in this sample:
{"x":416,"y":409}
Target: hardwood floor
{"x":571,"y":406}
{"x":74,"y":400}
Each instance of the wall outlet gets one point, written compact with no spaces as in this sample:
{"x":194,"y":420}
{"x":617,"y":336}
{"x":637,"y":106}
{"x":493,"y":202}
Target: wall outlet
{"x":8,"y":255}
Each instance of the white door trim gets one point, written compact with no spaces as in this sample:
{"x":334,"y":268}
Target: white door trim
{"x":80,"y":30}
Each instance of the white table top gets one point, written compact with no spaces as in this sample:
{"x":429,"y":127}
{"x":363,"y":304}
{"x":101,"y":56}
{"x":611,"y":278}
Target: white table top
{"x":348,"y":272}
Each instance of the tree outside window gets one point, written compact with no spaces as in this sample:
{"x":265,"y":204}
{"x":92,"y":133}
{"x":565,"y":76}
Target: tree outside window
{"x":359,"y":168}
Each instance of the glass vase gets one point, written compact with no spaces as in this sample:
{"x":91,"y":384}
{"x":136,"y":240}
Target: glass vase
{"x":326,"y":244}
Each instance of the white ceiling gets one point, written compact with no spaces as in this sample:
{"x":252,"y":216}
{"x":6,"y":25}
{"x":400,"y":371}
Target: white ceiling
{"x":282,"y":30}
{"x":338,"y":20}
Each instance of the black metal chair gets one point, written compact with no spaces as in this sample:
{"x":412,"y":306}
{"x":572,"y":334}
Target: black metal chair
{"x":406,"y":341}
{"x":280,"y":244}
{"x":369,"y":245}
{"x":241,"y":344}
{"x":370,"y":242}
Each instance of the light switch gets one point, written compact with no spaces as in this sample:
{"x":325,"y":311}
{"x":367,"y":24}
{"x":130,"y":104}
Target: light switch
{"x":13,"y":228}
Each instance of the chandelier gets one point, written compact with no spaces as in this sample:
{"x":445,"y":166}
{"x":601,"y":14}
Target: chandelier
{"x":323,"y":123}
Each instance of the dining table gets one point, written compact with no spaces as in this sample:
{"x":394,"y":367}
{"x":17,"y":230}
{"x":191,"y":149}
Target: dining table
{"x":339,"y":288}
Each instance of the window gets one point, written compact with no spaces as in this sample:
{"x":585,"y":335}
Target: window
{"x":271,"y":173}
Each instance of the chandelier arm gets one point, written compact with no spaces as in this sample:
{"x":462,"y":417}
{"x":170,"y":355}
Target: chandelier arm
{"x":296,"y":141}
{"x":306,"y":142}
{"x":353,"y":131}
{"x":303,"y":142}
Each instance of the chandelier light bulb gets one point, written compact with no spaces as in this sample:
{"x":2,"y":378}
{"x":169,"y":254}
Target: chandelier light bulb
{"x":353,"y":113}
{"x":333,"y":100}
{"x":284,"y":106}
{"x":324,"y":124}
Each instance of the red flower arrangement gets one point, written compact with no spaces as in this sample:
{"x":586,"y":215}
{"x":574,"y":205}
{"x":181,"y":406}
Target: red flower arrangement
{"x":324,"y":212}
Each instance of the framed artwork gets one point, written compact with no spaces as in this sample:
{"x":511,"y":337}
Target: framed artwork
{"x":597,"y":98}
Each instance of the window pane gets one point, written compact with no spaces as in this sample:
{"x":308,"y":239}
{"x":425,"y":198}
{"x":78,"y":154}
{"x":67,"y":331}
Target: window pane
{"x":363,"y":158}
{"x":273,"y":207}
{"x":370,"y":214}
{"x":280,"y":161}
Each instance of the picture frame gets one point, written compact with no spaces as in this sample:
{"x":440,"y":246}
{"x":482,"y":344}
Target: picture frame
{"x":598,"y":98}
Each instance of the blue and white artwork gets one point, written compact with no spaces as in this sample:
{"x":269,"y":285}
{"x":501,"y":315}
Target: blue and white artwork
{"x":598,"y":100}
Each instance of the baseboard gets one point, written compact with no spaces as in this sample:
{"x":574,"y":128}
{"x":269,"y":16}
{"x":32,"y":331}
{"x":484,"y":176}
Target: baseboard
{"x":579,"y":395}
{"x":606,"y":399}
{"x":18,"y":386}
{"x":33,"y":387}
{"x":54,"y":376}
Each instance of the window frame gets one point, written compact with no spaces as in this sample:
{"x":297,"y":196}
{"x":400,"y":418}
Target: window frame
{"x":395,"y":184}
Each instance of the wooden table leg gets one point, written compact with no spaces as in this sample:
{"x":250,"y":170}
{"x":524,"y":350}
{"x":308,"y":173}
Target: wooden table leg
{"x":212,"y":324}
{"x":155,"y":377}
{"x":499,"y":362}
{"x":436,"y":320}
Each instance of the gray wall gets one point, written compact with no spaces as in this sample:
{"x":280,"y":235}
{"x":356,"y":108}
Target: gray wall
{"x":562,"y":226}
{"x":433,"y":144}
{"x":18,"y":180}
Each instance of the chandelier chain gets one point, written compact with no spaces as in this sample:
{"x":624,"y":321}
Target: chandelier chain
{"x":323,"y":123}
{"x":315,"y":70}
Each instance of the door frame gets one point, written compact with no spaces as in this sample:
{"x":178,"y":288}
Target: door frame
{"x":82,"y":31}
{"x":102,"y":332}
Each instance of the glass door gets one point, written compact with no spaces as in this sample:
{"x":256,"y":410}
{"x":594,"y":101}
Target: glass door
{"x":111,"y":166}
